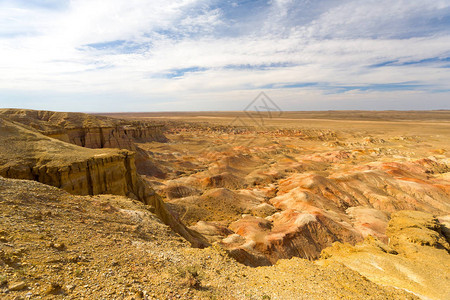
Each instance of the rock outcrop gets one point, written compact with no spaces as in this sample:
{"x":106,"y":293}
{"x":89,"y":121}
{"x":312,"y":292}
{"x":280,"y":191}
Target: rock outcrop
{"x":27,"y":154}
{"x":87,"y":130}
{"x":410,"y":230}
{"x":109,"y":137}
{"x":92,"y":131}
{"x":290,"y":234}
{"x":416,"y":258}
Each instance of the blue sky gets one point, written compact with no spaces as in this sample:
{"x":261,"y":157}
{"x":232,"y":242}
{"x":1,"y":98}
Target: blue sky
{"x":144,"y":55}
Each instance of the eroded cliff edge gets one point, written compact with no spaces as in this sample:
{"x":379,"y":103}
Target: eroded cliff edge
{"x":27,"y":154}
{"x":87,"y":130}
{"x":93,"y":132}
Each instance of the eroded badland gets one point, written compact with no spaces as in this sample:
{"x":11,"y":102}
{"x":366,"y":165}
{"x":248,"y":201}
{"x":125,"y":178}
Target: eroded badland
{"x":307,"y":205}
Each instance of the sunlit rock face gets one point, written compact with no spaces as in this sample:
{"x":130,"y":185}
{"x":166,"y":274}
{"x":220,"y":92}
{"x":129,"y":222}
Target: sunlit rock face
{"x":416,"y":258}
{"x":87,"y":130}
{"x":28,"y":154}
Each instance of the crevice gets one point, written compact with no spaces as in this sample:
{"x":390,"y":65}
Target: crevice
{"x":102,"y":138}
{"x":89,"y":179}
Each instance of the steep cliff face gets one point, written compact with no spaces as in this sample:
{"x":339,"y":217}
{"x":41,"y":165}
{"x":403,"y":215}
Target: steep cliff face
{"x":97,"y":175}
{"x":26,"y":154}
{"x":87,"y":130}
{"x":121,"y":136}
{"x":94,"y":132}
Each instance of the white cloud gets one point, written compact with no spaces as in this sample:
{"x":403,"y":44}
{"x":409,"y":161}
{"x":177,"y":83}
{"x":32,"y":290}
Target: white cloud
{"x":378,"y":18}
{"x":44,"y":49}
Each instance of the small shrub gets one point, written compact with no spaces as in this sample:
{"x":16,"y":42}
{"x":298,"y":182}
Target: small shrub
{"x":190,"y":275}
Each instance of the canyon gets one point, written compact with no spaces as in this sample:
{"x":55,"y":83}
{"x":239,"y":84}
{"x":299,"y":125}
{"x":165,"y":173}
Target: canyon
{"x":28,"y":154}
{"x":364,"y":190}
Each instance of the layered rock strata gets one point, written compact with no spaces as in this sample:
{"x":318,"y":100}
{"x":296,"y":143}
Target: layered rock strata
{"x":27,"y":154}
{"x":87,"y":130}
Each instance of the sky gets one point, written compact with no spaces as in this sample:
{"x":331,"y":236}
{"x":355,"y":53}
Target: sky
{"x":198,"y":55}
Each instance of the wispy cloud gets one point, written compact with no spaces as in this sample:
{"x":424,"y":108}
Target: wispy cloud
{"x":157,"y":53}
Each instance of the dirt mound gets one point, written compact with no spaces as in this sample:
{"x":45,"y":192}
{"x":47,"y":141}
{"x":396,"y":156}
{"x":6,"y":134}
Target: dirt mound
{"x":409,"y":229}
{"x":369,"y":221}
{"x":219,"y":204}
{"x":213,"y":231}
{"x":224,"y":180}
{"x":176,"y":191}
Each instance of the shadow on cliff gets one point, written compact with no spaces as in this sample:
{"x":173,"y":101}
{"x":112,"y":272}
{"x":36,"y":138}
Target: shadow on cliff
{"x":45,"y":147}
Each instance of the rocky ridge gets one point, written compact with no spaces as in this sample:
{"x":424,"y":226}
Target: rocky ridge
{"x":87,"y":130}
{"x":92,"y":131}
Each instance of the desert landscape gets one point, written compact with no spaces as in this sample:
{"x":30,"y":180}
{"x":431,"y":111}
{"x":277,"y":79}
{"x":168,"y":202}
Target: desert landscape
{"x":225,"y":205}
{"x":224,"y":150}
